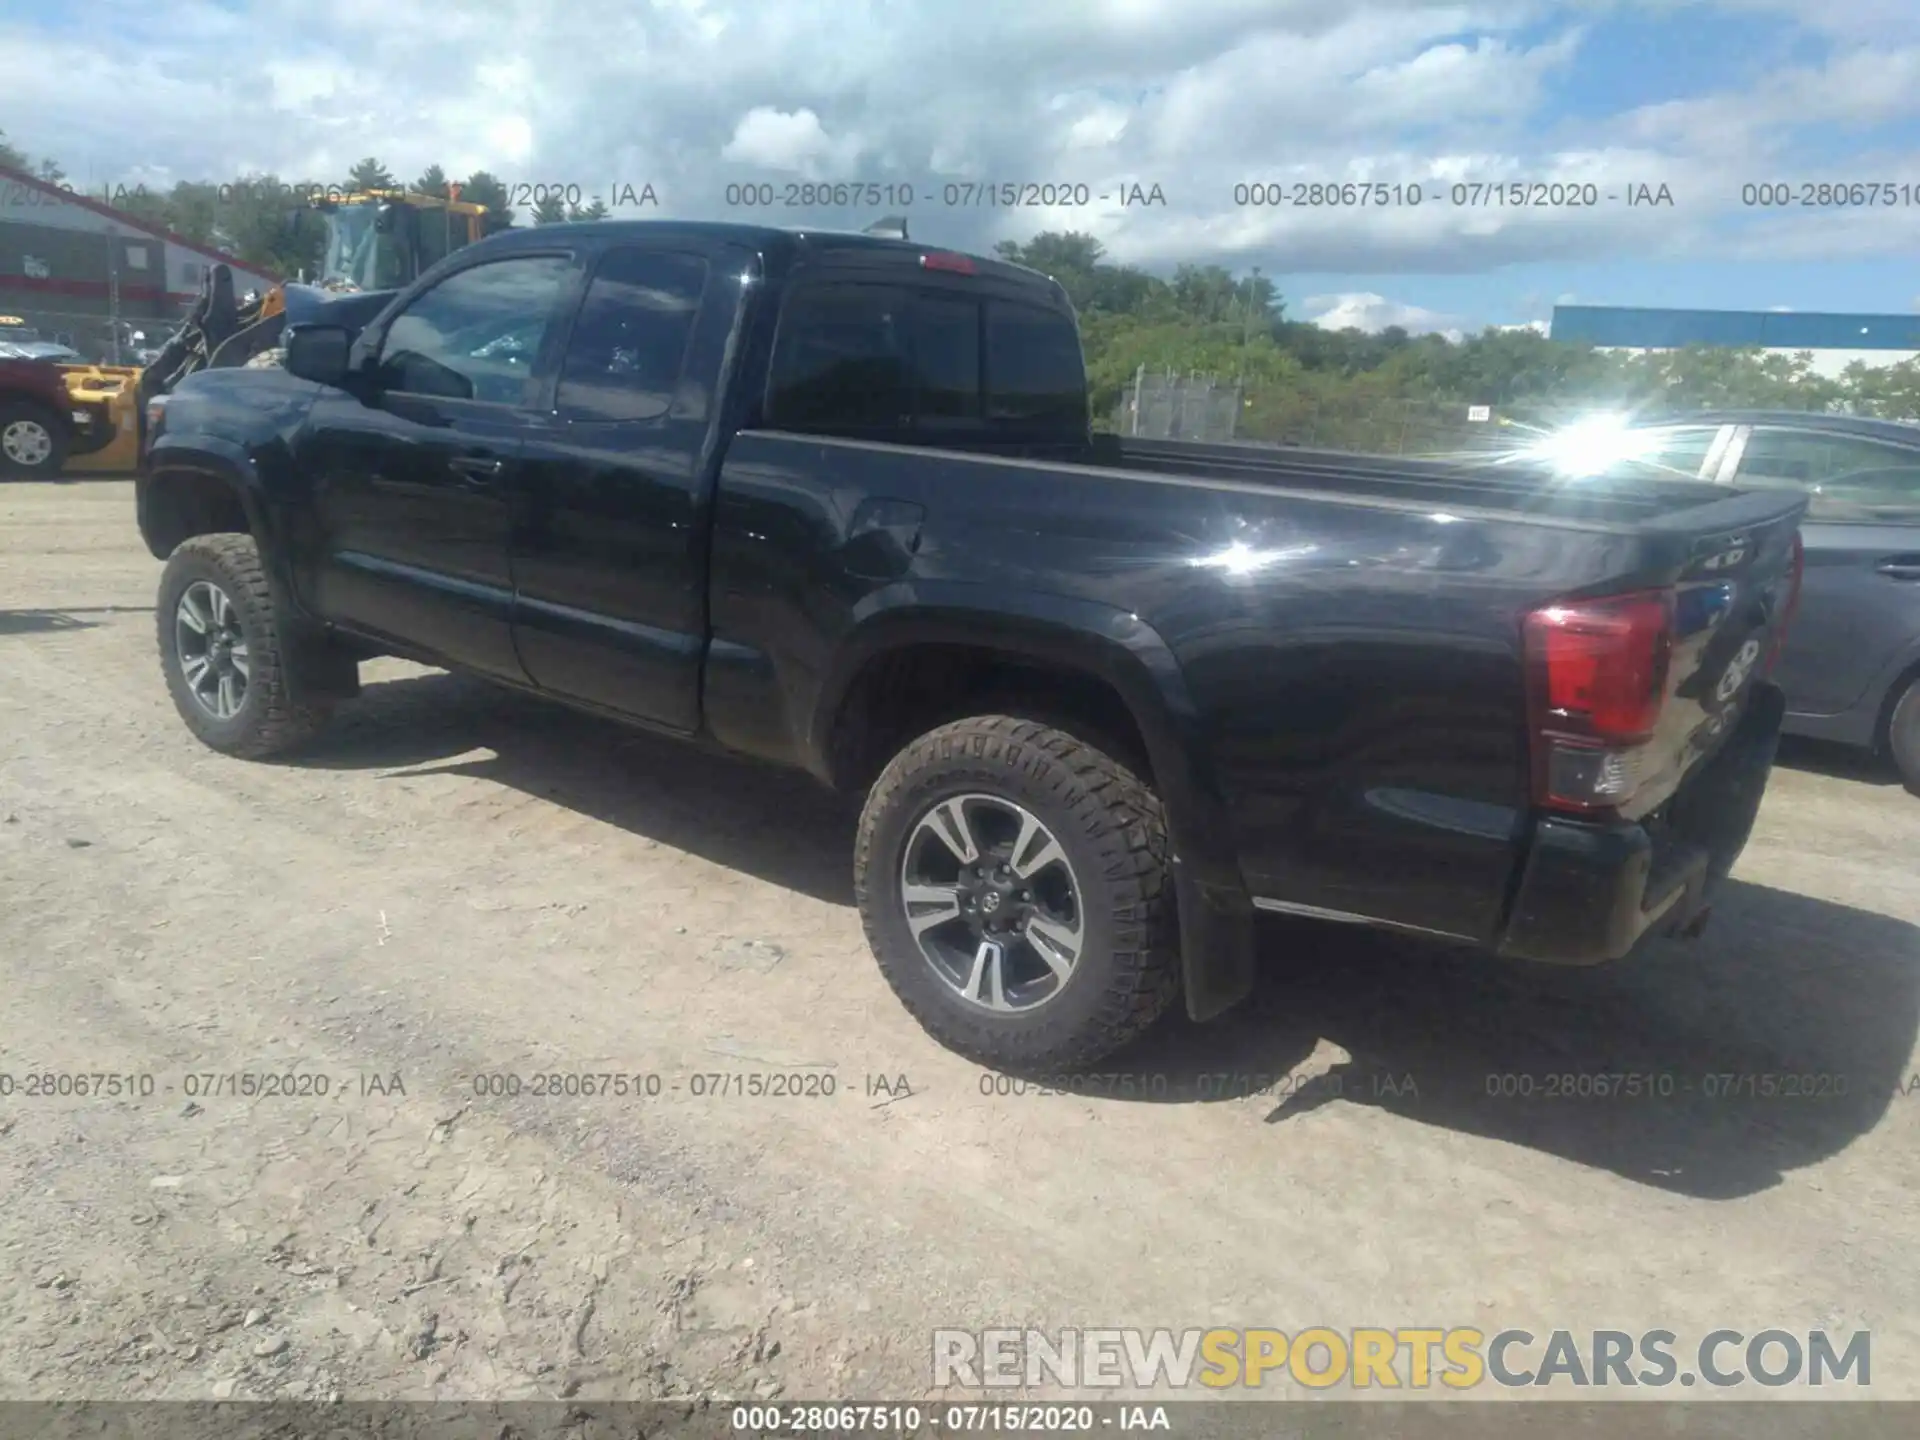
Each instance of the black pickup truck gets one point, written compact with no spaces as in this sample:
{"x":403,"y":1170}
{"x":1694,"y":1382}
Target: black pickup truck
{"x":833,"y":501}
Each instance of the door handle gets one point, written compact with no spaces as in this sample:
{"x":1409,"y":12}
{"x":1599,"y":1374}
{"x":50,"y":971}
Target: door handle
{"x":477,"y":470}
{"x":1900,"y":567}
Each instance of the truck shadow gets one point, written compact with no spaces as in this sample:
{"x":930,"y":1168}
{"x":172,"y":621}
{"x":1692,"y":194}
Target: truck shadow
{"x":771,"y":823}
{"x":41,"y":622}
{"x":1709,"y":1068}
{"x":1769,"y":1044}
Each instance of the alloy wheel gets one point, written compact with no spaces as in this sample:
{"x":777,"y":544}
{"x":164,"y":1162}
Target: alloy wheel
{"x":212,"y":649}
{"x":992,"y":901}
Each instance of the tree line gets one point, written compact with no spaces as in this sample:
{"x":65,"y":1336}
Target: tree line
{"x":248,"y":217}
{"x":1202,"y":320}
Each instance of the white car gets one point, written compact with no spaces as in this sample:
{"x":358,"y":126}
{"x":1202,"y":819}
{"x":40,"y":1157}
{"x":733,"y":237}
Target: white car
{"x":41,"y":350}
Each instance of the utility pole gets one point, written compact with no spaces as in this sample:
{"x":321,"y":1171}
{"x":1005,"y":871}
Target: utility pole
{"x":113,"y":291}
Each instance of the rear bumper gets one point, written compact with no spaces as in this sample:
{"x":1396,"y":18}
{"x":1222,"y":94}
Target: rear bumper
{"x":1591,"y":893}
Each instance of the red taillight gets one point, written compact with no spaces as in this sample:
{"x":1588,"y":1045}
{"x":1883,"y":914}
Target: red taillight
{"x":957,"y":264}
{"x":1791,"y":608}
{"x":1604,"y":663}
{"x":1598,"y":677}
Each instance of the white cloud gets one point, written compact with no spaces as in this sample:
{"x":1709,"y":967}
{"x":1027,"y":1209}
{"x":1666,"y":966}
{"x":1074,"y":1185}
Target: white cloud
{"x":1750,"y":125}
{"x":1196,"y":96}
{"x":778,"y":140}
{"x":297,"y":85}
{"x":1095,"y":126}
{"x":511,"y":138}
{"x":1373,"y":313}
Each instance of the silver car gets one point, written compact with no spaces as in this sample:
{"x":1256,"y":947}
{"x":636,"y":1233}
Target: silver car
{"x":1851,"y":665}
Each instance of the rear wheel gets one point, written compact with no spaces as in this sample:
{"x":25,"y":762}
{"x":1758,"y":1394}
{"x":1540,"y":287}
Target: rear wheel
{"x":33,"y":442}
{"x":1903,"y":735}
{"x":1014,"y":882}
{"x":224,"y":653}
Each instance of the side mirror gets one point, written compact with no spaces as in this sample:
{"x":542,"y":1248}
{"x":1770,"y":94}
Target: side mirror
{"x":319,"y":353}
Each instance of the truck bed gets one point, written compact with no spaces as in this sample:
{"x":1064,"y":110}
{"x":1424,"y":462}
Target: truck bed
{"x":1613,"y":502}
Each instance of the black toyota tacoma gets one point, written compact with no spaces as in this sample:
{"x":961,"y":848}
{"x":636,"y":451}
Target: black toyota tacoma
{"x":833,"y":501}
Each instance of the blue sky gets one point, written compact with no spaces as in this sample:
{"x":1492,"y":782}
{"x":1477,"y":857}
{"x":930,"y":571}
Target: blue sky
{"x":1633,"y":60}
{"x":1195,"y":95}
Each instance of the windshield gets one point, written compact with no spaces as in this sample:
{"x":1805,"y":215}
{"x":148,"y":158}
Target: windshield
{"x":359,"y":255}
{"x":441,"y":232}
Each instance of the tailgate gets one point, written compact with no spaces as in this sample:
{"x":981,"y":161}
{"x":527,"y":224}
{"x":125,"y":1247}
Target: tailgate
{"x":1735,"y":568}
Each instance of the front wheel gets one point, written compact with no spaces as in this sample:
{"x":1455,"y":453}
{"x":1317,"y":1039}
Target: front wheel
{"x":33,"y":442}
{"x":1015,"y":886}
{"x":224,"y":653}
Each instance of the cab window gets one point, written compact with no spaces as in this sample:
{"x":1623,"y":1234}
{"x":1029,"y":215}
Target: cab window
{"x":476,"y":334}
{"x":625,"y":355}
{"x":855,"y":357}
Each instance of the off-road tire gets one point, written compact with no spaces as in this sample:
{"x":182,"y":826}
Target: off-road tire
{"x":1903,"y":735}
{"x":1114,"y":832}
{"x":14,"y":411}
{"x":269,"y":722}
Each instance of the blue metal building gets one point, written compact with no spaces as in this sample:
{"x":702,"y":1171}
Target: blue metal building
{"x":1634,"y":328}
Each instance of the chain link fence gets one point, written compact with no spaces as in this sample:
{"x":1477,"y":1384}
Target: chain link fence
{"x":1204,"y":408}
{"x":91,"y":332}
{"x":1180,"y":407}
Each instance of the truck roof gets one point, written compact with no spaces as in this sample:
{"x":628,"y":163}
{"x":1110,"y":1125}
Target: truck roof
{"x":785,"y":247}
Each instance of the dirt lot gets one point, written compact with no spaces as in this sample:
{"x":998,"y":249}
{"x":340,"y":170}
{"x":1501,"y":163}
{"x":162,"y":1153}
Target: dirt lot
{"x":461,"y":884}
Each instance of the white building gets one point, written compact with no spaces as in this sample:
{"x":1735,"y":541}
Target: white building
{"x":70,"y":264}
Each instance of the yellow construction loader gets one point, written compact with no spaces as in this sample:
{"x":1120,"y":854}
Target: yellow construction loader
{"x":375,"y":241}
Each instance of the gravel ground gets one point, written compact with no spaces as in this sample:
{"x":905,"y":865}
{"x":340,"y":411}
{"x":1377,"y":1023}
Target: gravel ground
{"x":461,"y":883}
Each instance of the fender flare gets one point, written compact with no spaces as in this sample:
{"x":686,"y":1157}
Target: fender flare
{"x":1126,"y":653}
{"x":228,"y":461}
{"x":54,"y":406}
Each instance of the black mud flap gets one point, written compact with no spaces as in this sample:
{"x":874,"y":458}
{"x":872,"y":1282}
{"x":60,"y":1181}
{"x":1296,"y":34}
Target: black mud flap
{"x":1216,"y":942}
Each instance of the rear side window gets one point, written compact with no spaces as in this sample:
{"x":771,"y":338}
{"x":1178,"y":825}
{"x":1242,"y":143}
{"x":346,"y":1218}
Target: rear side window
{"x":841,"y":361}
{"x":1680,"y":453}
{"x":1847,"y":477}
{"x":627,"y":348}
{"x":856,"y":357}
{"x":1891,"y":494}
{"x":1035,"y":375}
{"x":946,"y":359}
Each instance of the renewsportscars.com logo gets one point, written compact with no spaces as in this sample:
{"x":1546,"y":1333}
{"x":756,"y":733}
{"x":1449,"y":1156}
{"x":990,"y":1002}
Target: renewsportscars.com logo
{"x":1410,"y":1358}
